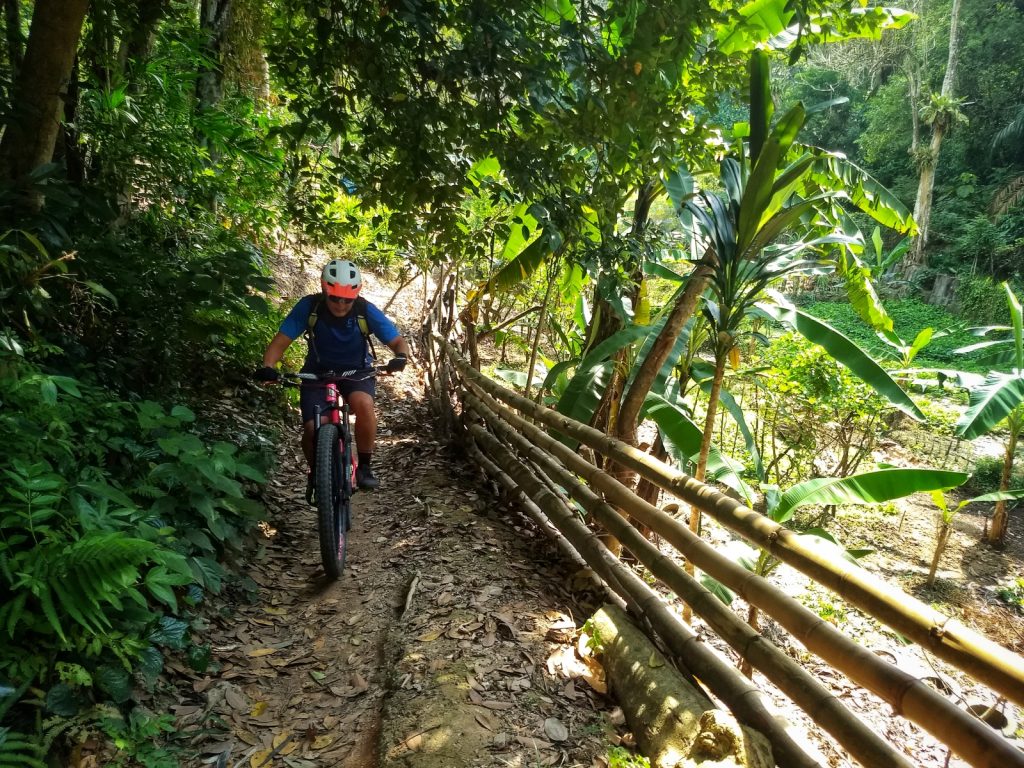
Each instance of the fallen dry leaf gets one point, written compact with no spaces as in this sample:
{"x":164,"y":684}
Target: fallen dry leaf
{"x":262,"y":652}
{"x":554,"y":729}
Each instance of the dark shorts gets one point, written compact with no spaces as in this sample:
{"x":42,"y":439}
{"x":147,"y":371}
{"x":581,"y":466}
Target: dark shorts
{"x":311,"y":396}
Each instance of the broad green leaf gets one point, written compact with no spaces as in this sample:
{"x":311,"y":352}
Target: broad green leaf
{"x":683,"y":437}
{"x":844,"y":351}
{"x":921,"y":341}
{"x":1018,"y":325}
{"x":990,"y":403}
{"x":864,"y":191}
{"x":518,"y":269}
{"x":678,"y":184}
{"x":862,"y":295}
{"x":760,"y":21}
{"x":866,"y":488}
{"x":584,"y":392}
{"x":761,"y":104}
{"x":994,"y":496}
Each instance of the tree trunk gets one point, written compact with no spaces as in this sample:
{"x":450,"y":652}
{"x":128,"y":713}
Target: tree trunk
{"x":940,"y":546}
{"x":136,"y":47}
{"x":1001,"y":518}
{"x":928,"y":163}
{"x":670,"y":715}
{"x":683,"y":310}
{"x":705,"y":449}
{"x":31,"y":134}
{"x":213,"y":20}
{"x":540,"y":329}
{"x":754,"y":620}
{"x":15,"y":44}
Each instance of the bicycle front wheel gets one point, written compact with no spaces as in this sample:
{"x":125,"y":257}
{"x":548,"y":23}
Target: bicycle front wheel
{"x":331,"y":501}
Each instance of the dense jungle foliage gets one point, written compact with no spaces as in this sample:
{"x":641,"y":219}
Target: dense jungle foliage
{"x":596,"y":165}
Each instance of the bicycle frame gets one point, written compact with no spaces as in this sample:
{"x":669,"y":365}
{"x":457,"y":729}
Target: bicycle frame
{"x":337,"y":411}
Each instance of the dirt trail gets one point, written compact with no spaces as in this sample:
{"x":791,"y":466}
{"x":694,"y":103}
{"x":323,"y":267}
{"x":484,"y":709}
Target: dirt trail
{"x":450,"y":640}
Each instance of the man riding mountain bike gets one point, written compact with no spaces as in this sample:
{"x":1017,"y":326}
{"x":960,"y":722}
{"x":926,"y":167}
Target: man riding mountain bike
{"x":337,"y":324}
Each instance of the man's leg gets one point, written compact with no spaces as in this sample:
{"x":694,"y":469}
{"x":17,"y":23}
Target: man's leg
{"x":361,"y":405}
{"x":308,"y":444}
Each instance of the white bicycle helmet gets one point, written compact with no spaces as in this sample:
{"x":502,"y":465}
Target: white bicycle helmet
{"x":341,"y":278}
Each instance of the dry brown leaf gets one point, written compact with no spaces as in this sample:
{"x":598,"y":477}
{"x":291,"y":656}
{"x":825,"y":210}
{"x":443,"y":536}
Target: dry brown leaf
{"x":358,"y":682}
{"x":276,"y":611}
{"x":475,"y":697}
{"x":258,"y":709}
{"x":486,"y":720}
{"x":554,"y":729}
{"x":488,"y":640}
{"x":248,"y":738}
{"x":235,"y":698}
{"x":256,"y":652}
{"x":322,"y":742}
{"x":280,"y":738}
{"x":260,"y":758}
{"x":201,"y":685}
{"x":429,"y":637}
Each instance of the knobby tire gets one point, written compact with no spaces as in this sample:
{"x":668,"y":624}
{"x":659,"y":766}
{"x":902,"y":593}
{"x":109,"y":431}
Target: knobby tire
{"x":331,"y":501}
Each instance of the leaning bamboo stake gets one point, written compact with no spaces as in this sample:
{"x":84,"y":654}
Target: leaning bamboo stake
{"x":964,"y":733}
{"x":792,"y":679}
{"x":743,"y":698}
{"x":941,"y":635}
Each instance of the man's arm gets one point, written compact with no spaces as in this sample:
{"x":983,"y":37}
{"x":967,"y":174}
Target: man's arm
{"x":399,"y":346}
{"x":275,"y":350}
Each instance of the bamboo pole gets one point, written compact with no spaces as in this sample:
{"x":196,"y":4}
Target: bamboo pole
{"x":797,"y":683}
{"x":540,"y":520}
{"x":743,"y":698}
{"x":967,"y":735}
{"x":941,"y":635}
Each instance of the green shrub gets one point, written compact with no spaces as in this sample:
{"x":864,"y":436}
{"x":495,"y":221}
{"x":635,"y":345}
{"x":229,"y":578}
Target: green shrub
{"x":114,"y":516}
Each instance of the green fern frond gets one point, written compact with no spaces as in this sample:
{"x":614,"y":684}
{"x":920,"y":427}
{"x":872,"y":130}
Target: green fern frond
{"x":96,"y":571}
{"x":18,"y":750}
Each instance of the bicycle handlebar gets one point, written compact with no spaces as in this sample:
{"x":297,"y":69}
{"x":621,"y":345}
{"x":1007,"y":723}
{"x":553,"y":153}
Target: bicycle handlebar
{"x":331,"y":376}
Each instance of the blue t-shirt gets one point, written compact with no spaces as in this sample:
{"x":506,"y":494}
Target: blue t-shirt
{"x":337,"y":342}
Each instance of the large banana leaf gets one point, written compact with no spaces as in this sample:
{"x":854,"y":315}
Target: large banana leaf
{"x":682,"y":438}
{"x":592,"y":375}
{"x":844,"y":351}
{"x":861,"y":292}
{"x":584,"y":392}
{"x":863,"y":190}
{"x":866,"y":488}
{"x":990,"y":403}
{"x":520,"y":268}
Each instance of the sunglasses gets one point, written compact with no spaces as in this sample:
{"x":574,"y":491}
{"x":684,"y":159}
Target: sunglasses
{"x":339,"y":300}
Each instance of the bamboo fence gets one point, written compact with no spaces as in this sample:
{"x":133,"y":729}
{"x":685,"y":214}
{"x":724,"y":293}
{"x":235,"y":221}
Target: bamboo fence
{"x":503,"y":433}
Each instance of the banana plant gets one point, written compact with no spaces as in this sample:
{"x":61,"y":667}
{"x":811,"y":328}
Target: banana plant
{"x":999,"y":397}
{"x":880,"y":485}
{"x":947,"y":513}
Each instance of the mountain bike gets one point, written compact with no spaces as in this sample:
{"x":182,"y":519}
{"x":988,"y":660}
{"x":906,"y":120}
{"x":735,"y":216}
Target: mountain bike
{"x":334,"y":466}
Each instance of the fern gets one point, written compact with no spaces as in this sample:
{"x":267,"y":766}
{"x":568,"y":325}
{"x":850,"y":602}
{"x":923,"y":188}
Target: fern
{"x":99,"y":569}
{"x":18,"y":750}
